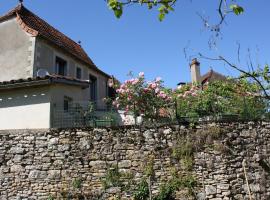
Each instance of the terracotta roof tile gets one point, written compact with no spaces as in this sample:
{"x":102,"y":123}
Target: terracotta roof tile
{"x":49,"y":79}
{"x":212,"y":75}
{"x":36,"y":26}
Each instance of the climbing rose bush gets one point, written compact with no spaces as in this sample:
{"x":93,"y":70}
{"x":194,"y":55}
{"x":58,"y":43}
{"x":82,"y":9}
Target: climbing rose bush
{"x":146,"y":98}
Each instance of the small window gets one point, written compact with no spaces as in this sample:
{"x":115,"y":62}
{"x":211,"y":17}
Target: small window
{"x":93,"y":88}
{"x":78,"y":73}
{"x":67,"y":103}
{"x":61,"y":66}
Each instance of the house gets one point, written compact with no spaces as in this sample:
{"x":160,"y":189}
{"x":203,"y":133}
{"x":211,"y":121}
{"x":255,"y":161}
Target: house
{"x":198,"y":79}
{"x":41,"y":70}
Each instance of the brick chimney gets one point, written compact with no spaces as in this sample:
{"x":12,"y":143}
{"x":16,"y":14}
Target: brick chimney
{"x":195,"y":71}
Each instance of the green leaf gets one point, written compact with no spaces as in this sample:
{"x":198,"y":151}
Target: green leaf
{"x":112,"y":4}
{"x":118,"y":13}
{"x":161,"y":16}
{"x":117,"y":7}
{"x":238,"y":10}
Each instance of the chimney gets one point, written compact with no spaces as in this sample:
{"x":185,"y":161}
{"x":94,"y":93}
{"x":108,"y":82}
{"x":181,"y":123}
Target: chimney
{"x":195,"y":71}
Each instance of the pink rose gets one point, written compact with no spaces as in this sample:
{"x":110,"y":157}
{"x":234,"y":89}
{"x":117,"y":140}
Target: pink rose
{"x":135,"y":81}
{"x":153,"y":85}
{"x":145,"y":89}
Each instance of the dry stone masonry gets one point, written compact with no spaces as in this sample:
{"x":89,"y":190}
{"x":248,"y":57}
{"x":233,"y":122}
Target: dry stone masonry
{"x":229,"y":160}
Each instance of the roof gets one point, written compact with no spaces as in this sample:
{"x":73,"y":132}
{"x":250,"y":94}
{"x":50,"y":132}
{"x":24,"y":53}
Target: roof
{"x":36,"y":26}
{"x":40,"y":81}
{"x":212,"y":76}
{"x":208,"y":77}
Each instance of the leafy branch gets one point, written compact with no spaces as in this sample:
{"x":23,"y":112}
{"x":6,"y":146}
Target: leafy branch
{"x":166,"y":6}
{"x":260,"y":76}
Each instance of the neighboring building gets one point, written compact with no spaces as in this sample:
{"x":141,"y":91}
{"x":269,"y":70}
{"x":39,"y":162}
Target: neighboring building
{"x":41,"y":69}
{"x":198,"y":79}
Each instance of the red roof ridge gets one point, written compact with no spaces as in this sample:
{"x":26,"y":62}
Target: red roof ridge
{"x":25,"y":27}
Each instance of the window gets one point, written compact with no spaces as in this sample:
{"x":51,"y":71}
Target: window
{"x":93,"y":88}
{"x":67,"y":102}
{"x":78,"y":73}
{"x":61,"y":66}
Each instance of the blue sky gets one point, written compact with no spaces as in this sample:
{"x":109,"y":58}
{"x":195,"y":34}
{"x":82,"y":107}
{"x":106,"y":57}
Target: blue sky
{"x":139,"y":42}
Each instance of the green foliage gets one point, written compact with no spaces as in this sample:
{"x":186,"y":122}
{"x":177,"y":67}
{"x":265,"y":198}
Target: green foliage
{"x":141,"y":192}
{"x":109,"y":117}
{"x":189,"y":181}
{"x":112,"y":178}
{"x":184,"y":148}
{"x":117,"y":7}
{"x":238,"y":10}
{"x":238,"y":98}
{"x":163,"y":10}
{"x":167,"y":190}
{"x":164,"y":7}
{"x":128,"y":181}
{"x":149,"y":167}
{"x":260,"y":76}
{"x":183,"y":152}
{"x":187,"y":163}
{"x":77,"y":183}
{"x":50,"y":197}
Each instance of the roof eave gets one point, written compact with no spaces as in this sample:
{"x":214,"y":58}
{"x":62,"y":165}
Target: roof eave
{"x":83,"y":85}
{"x":43,"y":82}
{"x":24,"y":84}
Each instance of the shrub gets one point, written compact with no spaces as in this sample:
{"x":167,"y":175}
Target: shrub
{"x":220,"y":98}
{"x":112,"y":178}
{"x":149,"y":99}
{"x":141,"y":191}
{"x":167,"y":190}
{"x":77,"y":183}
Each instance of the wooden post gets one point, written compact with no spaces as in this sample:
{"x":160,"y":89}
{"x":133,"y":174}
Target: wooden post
{"x":149,"y":187}
{"x":245,"y":173}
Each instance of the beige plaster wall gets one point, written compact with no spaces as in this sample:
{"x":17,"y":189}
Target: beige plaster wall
{"x":45,"y":55}
{"x":59,"y":91}
{"x":16,"y":51}
{"x":27,"y":108}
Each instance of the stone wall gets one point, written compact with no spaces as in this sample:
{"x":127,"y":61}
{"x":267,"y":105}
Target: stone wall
{"x":56,"y":163}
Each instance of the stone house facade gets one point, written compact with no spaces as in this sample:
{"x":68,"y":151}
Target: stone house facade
{"x":42,"y":68}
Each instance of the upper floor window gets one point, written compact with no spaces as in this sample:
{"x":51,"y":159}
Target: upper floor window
{"x":61,"y":66}
{"x":78,"y":73}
